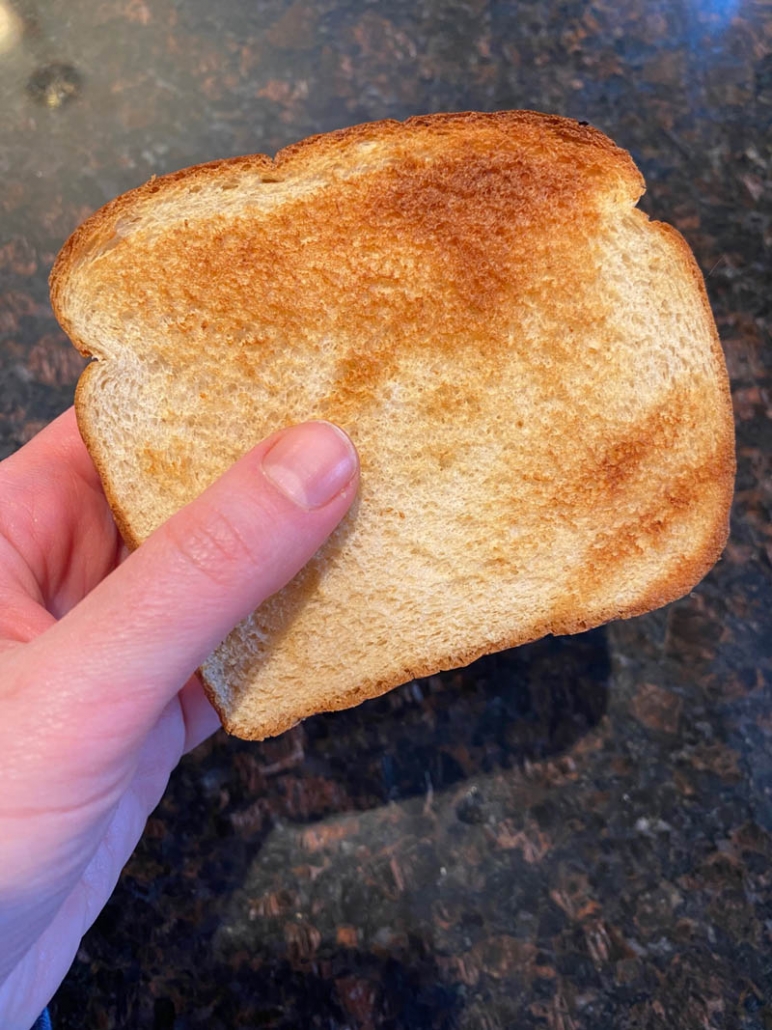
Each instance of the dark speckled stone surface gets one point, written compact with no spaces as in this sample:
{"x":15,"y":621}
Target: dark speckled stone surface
{"x":574,"y":835}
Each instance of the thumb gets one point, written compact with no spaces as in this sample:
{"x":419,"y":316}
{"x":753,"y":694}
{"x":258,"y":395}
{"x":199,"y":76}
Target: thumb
{"x":127,"y":648}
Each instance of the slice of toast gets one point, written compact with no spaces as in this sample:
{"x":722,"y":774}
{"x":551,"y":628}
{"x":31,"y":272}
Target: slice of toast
{"x":528,"y":366}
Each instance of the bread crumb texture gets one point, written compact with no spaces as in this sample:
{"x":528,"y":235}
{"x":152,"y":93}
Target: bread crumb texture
{"x":528,"y":366}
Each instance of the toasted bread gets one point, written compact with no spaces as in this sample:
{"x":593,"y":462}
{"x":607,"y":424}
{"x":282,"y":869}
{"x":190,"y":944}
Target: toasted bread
{"x":528,"y":366}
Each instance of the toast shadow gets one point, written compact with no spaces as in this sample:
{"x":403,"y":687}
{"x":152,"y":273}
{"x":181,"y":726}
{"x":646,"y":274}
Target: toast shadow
{"x":526,"y":704}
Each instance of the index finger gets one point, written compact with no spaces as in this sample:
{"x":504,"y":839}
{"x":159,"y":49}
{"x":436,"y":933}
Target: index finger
{"x":55,"y":516}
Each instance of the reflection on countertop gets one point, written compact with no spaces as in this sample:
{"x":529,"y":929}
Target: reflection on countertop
{"x":576,"y":834}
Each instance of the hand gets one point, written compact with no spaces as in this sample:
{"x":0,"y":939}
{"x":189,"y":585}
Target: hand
{"x":98,"y":649}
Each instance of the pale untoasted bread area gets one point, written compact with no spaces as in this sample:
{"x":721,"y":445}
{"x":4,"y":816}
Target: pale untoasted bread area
{"x":528,"y":367}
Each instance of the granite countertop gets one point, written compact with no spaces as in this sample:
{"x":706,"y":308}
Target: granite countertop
{"x":576,"y":834}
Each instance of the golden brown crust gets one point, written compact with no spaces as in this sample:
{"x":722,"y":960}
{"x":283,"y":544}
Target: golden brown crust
{"x":459,"y":123}
{"x":100,"y":226}
{"x":121,"y":517}
{"x":425,"y":197}
{"x":692,"y":269}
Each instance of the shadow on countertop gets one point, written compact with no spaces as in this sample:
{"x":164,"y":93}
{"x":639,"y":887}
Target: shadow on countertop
{"x":371,"y":820}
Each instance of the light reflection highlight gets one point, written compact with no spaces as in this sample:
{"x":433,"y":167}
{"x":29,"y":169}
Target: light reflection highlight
{"x":10,"y":28}
{"x":721,"y":12}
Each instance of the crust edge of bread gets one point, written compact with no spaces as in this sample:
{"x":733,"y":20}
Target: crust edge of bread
{"x":669,"y":587}
{"x":101,"y":224}
{"x":664,"y":591}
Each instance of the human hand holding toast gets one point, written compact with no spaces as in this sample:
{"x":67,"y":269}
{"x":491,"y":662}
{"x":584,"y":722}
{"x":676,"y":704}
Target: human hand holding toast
{"x":98,"y":650}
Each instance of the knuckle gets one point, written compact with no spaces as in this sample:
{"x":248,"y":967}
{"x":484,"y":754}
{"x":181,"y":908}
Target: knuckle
{"x":215,"y":546}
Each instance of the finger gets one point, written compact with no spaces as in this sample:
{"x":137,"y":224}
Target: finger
{"x":22,"y":617}
{"x":124,"y":651}
{"x":23,"y":614}
{"x":55,"y":516}
{"x":59,"y":444}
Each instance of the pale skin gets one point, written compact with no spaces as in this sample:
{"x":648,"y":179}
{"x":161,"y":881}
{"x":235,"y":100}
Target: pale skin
{"x":98,"y":650}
